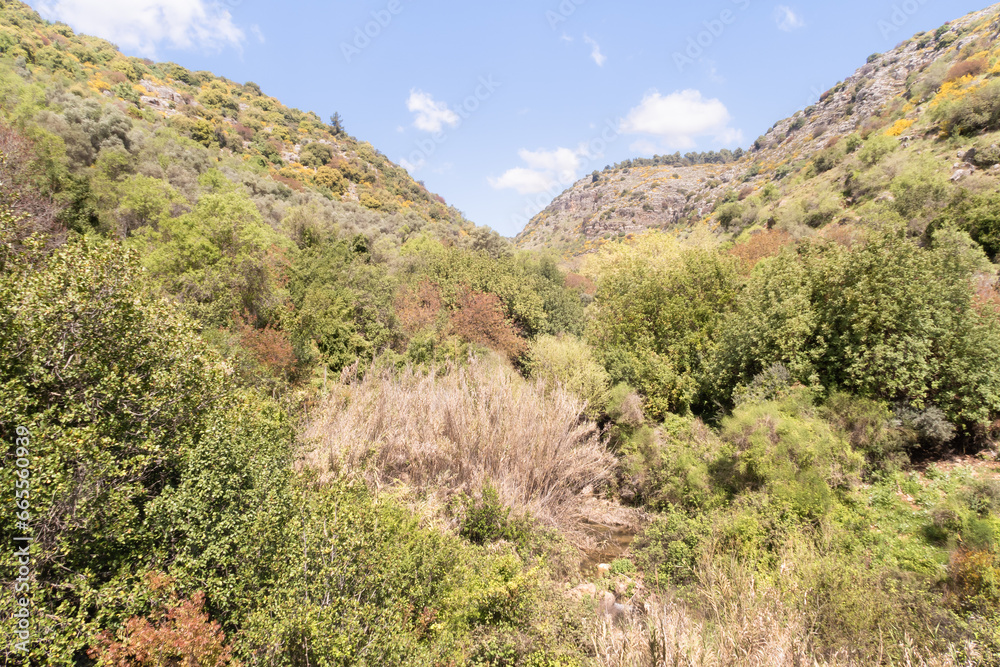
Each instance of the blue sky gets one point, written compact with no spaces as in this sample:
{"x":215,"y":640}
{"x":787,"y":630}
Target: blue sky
{"x":498,"y":106}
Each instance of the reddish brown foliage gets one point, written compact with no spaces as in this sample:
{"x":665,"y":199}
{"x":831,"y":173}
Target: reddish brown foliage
{"x":871,"y":126}
{"x":270,"y":347}
{"x":418,"y":308}
{"x":245,"y":132}
{"x":966,"y":68}
{"x":290,"y":182}
{"x":179,"y":633}
{"x":746,"y":192}
{"x":480,"y":319}
{"x":846,"y":235}
{"x":583,"y":283}
{"x":114,"y":76}
{"x":760,"y":246}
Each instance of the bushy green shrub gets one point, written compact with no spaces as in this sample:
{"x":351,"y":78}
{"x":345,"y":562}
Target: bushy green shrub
{"x":569,"y":362}
{"x":217,"y":259}
{"x":784,"y":448}
{"x":868,"y":425}
{"x":728,"y":213}
{"x":315,"y":155}
{"x":813,"y":211}
{"x":978,"y":111}
{"x":622,"y":566}
{"x":979,"y":215}
{"x":876,"y":149}
{"x":486,"y":519}
{"x":149,"y":457}
{"x":380,"y":589}
{"x":918,"y":188}
{"x":884,"y":320}
{"x":984,"y":156}
{"x":930,"y":424}
{"x":672,"y":466}
{"x":828,"y":159}
{"x":772,"y":383}
{"x":670,"y":546}
{"x":655,"y":316}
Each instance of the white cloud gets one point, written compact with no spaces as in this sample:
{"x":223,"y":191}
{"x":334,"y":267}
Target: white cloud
{"x":595,"y":52}
{"x":525,"y":181}
{"x":563,"y":162}
{"x":143,"y":25}
{"x":787,"y":19}
{"x":680,"y":118}
{"x":545,"y":170}
{"x":432,"y":116}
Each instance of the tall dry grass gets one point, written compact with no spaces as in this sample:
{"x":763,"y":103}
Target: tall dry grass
{"x":671,"y":636}
{"x":454,"y":429}
{"x":741,"y":622}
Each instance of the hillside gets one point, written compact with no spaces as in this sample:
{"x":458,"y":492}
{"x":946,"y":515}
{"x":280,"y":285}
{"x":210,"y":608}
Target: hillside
{"x":112,"y":114}
{"x":804,"y":173}
{"x":267,"y":402}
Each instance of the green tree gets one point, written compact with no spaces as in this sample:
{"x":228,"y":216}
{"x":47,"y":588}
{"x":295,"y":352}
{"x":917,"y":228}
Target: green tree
{"x":979,"y":215}
{"x":656,"y":313}
{"x":337,"y":124}
{"x":569,"y":362}
{"x":884,"y":319}
{"x":315,"y":155}
{"x":344,"y":302}
{"x":141,"y":454}
{"x":143,"y":201}
{"x":218,"y":259}
{"x":456,"y":271}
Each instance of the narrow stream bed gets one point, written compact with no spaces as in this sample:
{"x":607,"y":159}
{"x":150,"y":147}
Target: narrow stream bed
{"x":612,"y":542}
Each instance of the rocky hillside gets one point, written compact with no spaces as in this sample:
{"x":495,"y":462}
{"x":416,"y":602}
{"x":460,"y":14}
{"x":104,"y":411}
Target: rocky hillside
{"x":101,"y":113}
{"x":905,"y":94}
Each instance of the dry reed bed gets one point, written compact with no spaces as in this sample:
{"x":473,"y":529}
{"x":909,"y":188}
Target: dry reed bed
{"x":454,"y":429}
{"x":741,"y":623}
{"x":760,"y":634}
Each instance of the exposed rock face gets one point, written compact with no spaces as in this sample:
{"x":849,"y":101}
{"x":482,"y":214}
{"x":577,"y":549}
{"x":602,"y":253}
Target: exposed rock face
{"x":621,"y":202}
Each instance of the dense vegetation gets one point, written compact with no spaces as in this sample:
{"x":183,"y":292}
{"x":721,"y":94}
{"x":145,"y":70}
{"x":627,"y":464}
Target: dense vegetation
{"x":724,"y":156}
{"x":286,"y":408}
